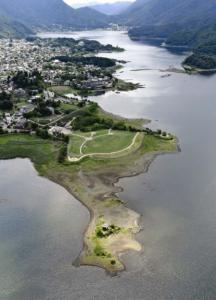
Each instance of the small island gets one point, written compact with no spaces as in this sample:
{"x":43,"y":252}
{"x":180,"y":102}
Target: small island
{"x":75,"y":143}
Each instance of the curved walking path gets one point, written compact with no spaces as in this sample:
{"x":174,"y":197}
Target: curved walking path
{"x":48,"y":124}
{"x":89,"y":138}
{"x":56,"y":120}
{"x":77,"y":159}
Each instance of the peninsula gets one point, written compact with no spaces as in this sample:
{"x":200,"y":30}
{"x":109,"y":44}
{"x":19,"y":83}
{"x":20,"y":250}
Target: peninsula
{"x":76,"y":144}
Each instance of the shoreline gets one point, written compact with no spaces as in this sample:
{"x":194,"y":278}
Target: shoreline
{"x":142,"y":166}
{"x":190,"y":69}
{"x":187,"y":68}
{"x":93,"y":182}
{"x":80,"y":260}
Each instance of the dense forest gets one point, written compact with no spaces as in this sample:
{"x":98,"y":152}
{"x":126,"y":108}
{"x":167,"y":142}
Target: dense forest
{"x":83,"y":44}
{"x":152,"y":31}
{"x":200,"y":61}
{"x":101,"y":62}
{"x":202,"y":41}
{"x":6,"y":102}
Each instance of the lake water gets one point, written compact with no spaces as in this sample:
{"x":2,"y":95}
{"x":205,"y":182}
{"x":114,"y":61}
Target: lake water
{"x":41,"y":225}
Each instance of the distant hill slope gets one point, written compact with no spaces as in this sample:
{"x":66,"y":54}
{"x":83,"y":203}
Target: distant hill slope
{"x":190,"y":23}
{"x":12,"y":29}
{"x":203,"y":43}
{"x":52,"y":12}
{"x":112,"y":8}
{"x":148,"y":12}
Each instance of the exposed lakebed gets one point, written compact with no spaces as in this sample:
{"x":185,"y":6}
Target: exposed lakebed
{"x":176,"y":198}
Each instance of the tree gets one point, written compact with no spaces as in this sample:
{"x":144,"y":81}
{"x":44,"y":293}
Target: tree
{"x":62,"y":153}
{"x":43,"y":133}
{"x":6,"y":101}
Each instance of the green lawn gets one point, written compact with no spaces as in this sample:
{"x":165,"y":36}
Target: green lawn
{"x":109,"y":143}
{"x":101,"y":132}
{"x":81,"y":133}
{"x":67,"y":106}
{"x":101,"y":142}
{"x":74,"y":145}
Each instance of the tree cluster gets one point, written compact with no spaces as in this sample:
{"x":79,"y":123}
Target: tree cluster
{"x":6,"y":102}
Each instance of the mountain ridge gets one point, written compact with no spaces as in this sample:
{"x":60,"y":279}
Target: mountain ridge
{"x":52,"y":13}
{"x":10,"y":28}
{"x":112,"y":8}
{"x":160,"y":12}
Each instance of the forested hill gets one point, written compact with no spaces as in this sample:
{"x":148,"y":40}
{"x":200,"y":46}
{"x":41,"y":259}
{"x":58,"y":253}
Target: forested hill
{"x":12,"y":29}
{"x":190,"y":23}
{"x":52,"y":12}
{"x":162,"y":12}
{"x":200,"y":39}
{"x":203,"y":43}
{"x":112,"y":8}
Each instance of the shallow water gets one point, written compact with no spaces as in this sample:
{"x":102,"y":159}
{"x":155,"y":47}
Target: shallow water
{"x":41,"y":230}
{"x":176,"y":198}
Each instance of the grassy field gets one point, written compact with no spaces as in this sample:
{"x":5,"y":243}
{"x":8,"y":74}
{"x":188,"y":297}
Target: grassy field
{"x":102,"y":141}
{"x":107,"y":143}
{"x":116,"y":144}
{"x":41,"y":152}
{"x":74,"y":145}
{"x":153,"y":143}
{"x":67,"y":106}
{"x":45,"y":152}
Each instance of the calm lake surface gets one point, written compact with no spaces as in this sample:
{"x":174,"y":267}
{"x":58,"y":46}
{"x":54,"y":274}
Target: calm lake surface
{"x":41,"y":225}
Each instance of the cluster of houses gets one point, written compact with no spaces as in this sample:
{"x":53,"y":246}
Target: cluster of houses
{"x":78,"y":77}
{"x":22,"y":55}
{"x":95,"y":83}
{"x":14,"y":121}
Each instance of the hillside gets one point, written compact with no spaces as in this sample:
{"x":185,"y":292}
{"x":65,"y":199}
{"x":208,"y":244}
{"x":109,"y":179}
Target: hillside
{"x":52,"y":12}
{"x":12,"y":29}
{"x":188,"y":23}
{"x":203,"y":43}
{"x":112,"y":8}
{"x":161,"y":12}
